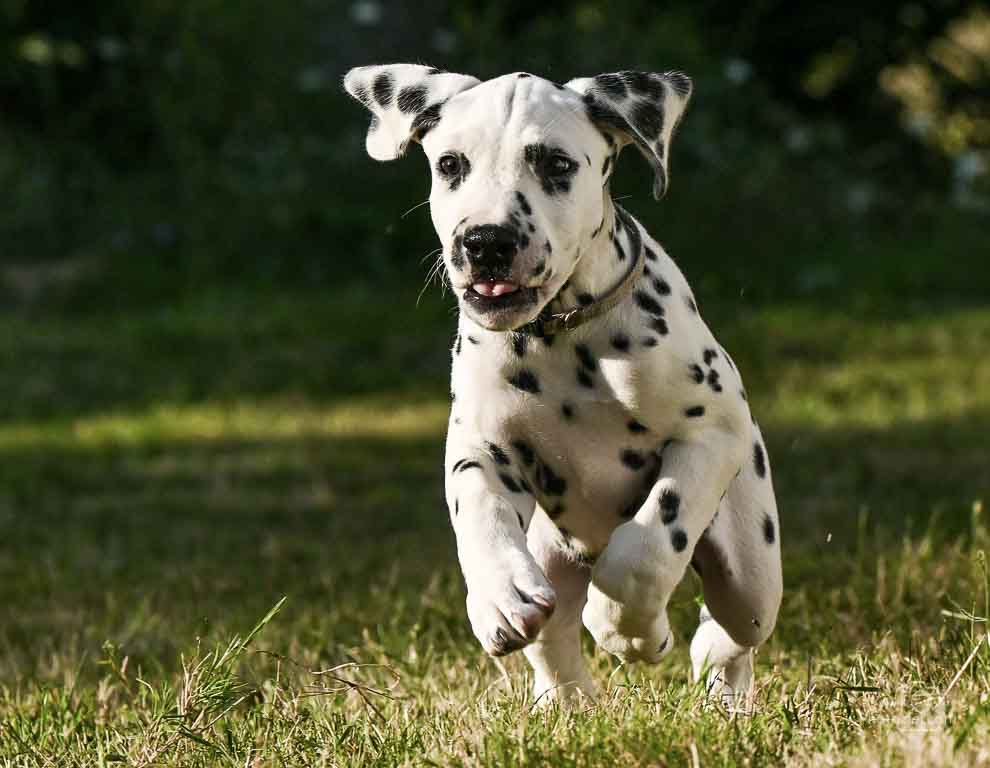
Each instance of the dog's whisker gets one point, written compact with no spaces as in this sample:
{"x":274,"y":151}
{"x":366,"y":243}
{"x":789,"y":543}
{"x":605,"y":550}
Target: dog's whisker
{"x":431,"y":254}
{"x":436,"y":270}
{"x":418,"y":205}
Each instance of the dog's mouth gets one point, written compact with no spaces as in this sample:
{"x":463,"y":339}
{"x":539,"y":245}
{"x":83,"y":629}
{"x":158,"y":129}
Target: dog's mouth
{"x":495,"y":298}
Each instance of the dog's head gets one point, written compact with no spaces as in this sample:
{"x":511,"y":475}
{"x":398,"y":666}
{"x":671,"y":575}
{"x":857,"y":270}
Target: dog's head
{"x":520,"y":168}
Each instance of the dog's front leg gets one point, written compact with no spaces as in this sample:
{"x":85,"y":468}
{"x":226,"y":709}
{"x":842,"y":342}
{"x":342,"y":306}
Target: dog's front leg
{"x":646,"y":557}
{"x":509,"y":598}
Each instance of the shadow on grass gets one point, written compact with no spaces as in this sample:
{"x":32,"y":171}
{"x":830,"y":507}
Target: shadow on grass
{"x":152,"y":544}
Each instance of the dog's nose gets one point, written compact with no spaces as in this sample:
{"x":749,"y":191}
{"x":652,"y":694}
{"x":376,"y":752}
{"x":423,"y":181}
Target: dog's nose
{"x":490,"y":245}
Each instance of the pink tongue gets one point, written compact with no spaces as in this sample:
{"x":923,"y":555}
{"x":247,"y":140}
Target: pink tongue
{"x":494,"y":288}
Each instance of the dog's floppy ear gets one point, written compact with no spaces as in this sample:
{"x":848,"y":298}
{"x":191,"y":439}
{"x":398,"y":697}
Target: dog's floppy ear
{"x":639,"y":107}
{"x":405,"y":102}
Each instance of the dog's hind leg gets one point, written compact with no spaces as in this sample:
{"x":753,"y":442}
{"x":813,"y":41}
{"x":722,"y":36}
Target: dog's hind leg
{"x":738,"y":559}
{"x":559,"y":669}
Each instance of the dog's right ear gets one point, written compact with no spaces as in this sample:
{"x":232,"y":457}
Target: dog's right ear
{"x":405,"y":102}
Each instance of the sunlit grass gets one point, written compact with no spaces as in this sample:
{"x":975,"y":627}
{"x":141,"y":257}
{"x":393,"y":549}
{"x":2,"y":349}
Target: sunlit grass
{"x":272,"y":420}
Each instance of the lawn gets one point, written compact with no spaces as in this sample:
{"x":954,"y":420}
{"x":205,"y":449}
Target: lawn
{"x":168,"y":475}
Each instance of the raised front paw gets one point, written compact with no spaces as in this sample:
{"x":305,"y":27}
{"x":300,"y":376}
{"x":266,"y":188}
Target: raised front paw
{"x":638,"y":633}
{"x":507,"y":611}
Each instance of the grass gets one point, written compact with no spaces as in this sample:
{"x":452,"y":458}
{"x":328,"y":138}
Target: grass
{"x":169,"y":475}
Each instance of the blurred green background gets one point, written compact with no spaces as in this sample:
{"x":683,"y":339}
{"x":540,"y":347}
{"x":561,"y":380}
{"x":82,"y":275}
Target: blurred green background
{"x":152,"y":148}
{"x":218,"y":385}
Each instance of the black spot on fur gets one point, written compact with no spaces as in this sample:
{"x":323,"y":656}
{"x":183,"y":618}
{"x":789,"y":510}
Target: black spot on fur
{"x":584,"y":378}
{"x":549,"y":481}
{"x":611,"y":85}
{"x":769,"y":533}
{"x":383,"y":88}
{"x":644,"y":84}
{"x":695,"y":411}
{"x":759,"y":460}
{"x":426,"y":120}
{"x":465,"y":464}
{"x":412,"y":99}
{"x":547,"y":247}
{"x":509,"y":483}
{"x":620,"y":342}
{"x":457,"y":507}
{"x":525,"y":452}
{"x":587,"y":359}
{"x":585,"y":299}
{"x":647,"y":303}
{"x":661,"y":286}
{"x":604,"y":116}
{"x":632,"y":459}
{"x":524,"y":203}
{"x":635,"y":427}
{"x":539,"y":267}
{"x":519,"y":342}
{"x":647,"y":117}
{"x":650,"y":341}
{"x":710,"y":354}
{"x":620,"y":252}
{"x":526,"y":381}
{"x":713,"y":381}
{"x":650,"y":254}
{"x":680,"y":82}
{"x":670,"y":504}
{"x":567,"y":410}
{"x":457,"y":344}
{"x":524,"y":74}
{"x":498,"y":454}
{"x":678,"y":540}
{"x":690,"y":304}
{"x":659,"y":325}
{"x":472,"y":340}
{"x":697,"y":373}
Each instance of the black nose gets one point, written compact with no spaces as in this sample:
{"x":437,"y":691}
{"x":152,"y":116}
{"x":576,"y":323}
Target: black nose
{"x":490,"y":245}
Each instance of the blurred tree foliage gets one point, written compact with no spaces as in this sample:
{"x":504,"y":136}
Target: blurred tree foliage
{"x":158,"y":144}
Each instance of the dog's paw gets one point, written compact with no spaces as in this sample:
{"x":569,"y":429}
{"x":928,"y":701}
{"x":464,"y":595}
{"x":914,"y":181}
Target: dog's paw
{"x":632,"y":635}
{"x":507,"y":610}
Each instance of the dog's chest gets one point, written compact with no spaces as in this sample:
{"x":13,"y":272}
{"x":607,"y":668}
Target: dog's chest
{"x":567,"y":422}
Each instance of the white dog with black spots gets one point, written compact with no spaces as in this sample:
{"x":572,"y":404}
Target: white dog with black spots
{"x":600,"y":438}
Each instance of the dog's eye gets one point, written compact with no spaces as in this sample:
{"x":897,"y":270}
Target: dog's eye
{"x":559,"y":165}
{"x":449,"y":165}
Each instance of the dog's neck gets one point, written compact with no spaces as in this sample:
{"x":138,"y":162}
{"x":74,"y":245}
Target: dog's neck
{"x":599,"y":269}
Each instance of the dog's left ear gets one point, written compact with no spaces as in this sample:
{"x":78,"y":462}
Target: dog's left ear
{"x":639,"y":107}
{"x":405,"y":102}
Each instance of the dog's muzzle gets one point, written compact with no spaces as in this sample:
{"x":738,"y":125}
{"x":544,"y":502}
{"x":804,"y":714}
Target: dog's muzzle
{"x":490,"y":251}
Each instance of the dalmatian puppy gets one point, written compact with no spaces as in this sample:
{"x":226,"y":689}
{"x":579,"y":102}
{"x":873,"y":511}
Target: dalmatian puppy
{"x":599,"y":438}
